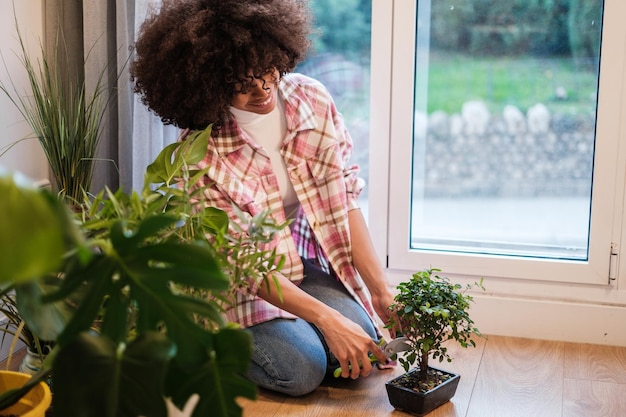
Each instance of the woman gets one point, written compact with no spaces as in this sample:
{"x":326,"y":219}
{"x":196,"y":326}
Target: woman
{"x":277,"y":143}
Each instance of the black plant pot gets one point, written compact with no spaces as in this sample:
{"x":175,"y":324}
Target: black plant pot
{"x":420,"y":403}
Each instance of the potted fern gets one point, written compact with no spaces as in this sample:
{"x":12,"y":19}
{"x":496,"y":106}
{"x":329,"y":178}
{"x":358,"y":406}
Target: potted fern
{"x":154,"y":273}
{"x":430,"y":310}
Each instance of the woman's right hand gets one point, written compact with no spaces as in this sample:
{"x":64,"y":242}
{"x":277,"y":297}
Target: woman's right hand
{"x":347,"y":341}
{"x":350,"y":344}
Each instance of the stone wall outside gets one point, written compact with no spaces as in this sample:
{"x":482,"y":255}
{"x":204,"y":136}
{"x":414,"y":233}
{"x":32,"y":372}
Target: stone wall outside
{"x":478,"y":154}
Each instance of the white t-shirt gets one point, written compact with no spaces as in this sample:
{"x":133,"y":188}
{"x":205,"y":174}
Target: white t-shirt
{"x":268,"y":130}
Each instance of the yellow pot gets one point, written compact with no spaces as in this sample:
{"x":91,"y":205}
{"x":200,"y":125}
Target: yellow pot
{"x":33,"y":404}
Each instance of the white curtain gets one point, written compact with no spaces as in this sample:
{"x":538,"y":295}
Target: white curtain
{"x":142,"y":135}
{"x":134,"y":136}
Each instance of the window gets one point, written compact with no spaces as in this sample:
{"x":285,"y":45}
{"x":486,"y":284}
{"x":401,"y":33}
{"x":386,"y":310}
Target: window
{"x":503,"y":141}
{"x":503,"y":150}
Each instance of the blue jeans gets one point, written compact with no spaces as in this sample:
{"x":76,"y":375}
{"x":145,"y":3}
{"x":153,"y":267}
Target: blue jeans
{"x":291,"y":356}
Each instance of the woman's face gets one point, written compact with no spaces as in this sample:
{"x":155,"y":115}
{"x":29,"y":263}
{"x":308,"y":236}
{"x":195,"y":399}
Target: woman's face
{"x":260,"y":96}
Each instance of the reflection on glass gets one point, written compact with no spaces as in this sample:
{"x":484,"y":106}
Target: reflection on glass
{"x":341,"y":61}
{"x":504,"y":126}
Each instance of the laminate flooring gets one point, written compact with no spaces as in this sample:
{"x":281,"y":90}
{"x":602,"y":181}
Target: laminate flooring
{"x":500,"y":377}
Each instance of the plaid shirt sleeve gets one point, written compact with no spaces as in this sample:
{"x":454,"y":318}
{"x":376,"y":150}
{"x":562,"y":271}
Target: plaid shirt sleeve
{"x":326,"y":183}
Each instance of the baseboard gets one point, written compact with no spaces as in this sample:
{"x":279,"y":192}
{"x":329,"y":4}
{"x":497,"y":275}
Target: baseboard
{"x":550,"y":320}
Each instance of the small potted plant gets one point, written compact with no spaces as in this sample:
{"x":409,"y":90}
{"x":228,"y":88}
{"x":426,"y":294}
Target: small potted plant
{"x":430,"y":310}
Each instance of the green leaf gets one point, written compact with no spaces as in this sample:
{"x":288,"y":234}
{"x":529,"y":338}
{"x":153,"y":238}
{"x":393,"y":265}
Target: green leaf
{"x":156,"y":306}
{"x":187,"y":264}
{"x":115,"y":320}
{"x":125,"y":240}
{"x":194,"y":177}
{"x":32,"y":232}
{"x":195,"y":146}
{"x":190,"y":305}
{"x":95,"y":292}
{"x":93,"y":376}
{"x":75,"y":274}
{"x":219,"y":380}
{"x":46,"y":321}
{"x":214,"y":220}
{"x":173,"y":158}
{"x":159,"y":170}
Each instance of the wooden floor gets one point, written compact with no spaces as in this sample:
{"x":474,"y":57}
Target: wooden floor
{"x":501,"y":377}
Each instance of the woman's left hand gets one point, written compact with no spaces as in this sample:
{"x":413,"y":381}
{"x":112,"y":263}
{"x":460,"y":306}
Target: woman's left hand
{"x":381,"y":302}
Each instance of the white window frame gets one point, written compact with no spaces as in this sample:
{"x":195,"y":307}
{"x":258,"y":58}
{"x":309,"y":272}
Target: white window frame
{"x":596,"y":269}
{"x":529,"y":291}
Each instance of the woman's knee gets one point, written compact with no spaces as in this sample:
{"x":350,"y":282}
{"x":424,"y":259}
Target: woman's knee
{"x":288,"y":356}
{"x":298,"y":375}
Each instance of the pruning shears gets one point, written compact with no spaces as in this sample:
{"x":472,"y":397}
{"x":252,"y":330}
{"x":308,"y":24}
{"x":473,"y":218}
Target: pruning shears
{"x":391,"y":349}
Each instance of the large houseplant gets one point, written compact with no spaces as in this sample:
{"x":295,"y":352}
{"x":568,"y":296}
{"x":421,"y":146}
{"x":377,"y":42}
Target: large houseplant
{"x":142,"y":268}
{"x":430,"y":310}
{"x":64,"y":113}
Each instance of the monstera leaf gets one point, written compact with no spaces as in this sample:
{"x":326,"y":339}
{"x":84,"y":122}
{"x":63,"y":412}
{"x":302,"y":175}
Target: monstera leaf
{"x":95,"y":377}
{"x":219,"y":379}
{"x":34,"y":231}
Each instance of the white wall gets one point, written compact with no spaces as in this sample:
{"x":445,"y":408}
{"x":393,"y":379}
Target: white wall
{"x":27,"y":156}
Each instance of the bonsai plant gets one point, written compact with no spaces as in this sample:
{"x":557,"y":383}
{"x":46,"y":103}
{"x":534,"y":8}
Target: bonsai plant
{"x":154,"y":271}
{"x":64,"y":115}
{"x":430,"y":310}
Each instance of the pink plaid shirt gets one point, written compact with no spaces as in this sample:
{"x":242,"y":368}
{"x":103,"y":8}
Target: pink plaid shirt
{"x":316,"y":150}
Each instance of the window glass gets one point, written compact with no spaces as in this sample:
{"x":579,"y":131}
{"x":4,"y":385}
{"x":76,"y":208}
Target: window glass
{"x":504,"y":126}
{"x":341,"y":61}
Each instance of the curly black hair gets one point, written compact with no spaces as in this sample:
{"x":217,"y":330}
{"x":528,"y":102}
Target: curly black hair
{"x":192,"y":56}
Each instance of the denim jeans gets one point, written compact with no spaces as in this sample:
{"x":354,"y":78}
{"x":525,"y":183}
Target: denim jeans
{"x":291,"y":356}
